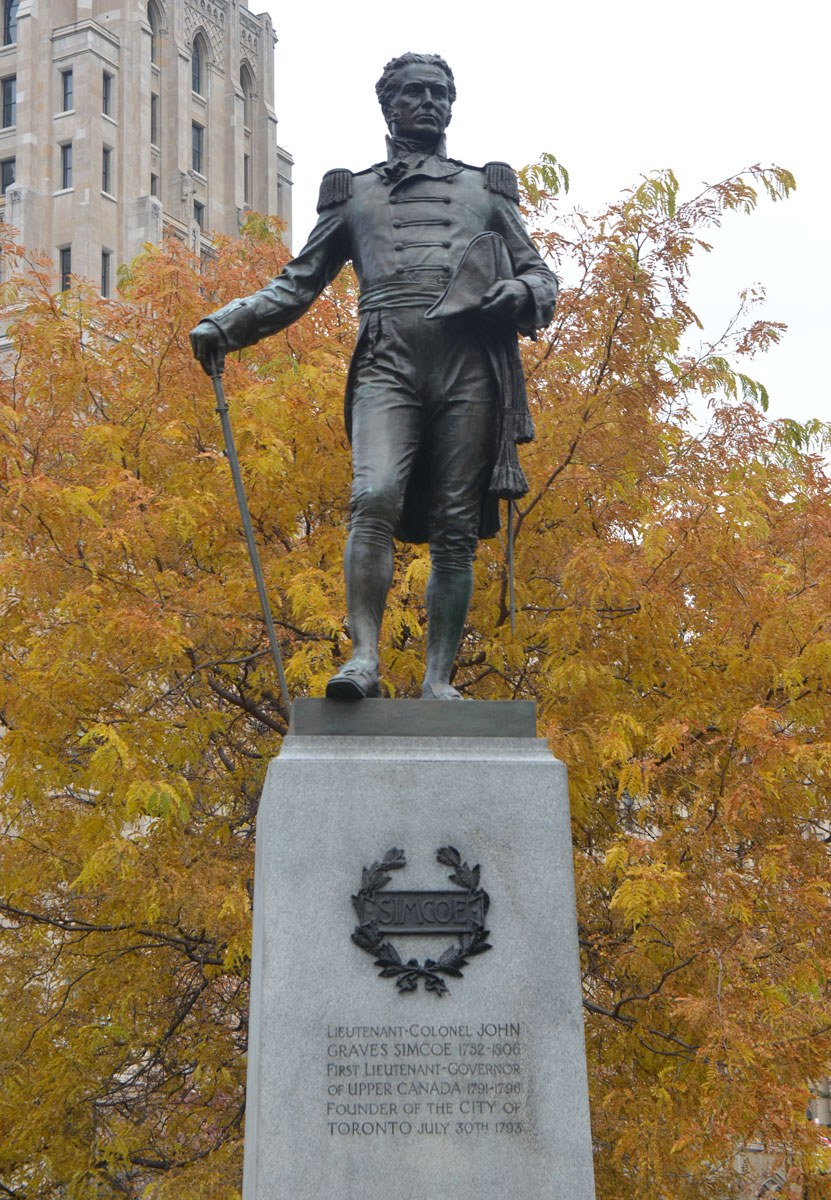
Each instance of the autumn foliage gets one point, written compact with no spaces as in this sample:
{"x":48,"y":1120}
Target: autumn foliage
{"x":673,"y":561}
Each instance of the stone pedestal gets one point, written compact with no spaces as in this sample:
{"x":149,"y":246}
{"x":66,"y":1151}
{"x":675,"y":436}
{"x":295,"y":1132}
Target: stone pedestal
{"x":358,"y":1088}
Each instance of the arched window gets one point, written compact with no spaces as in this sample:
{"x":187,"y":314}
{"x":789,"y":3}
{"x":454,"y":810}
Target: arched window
{"x":198,"y":65}
{"x":247,"y":84}
{"x":10,"y":22}
{"x":153,"y":21}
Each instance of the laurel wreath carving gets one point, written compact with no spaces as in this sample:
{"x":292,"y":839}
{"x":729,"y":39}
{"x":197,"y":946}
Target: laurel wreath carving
{"x":407,"y":974}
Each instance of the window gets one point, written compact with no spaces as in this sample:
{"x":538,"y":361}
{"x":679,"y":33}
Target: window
{"x":107,"y":94}
{"x":106,"y":272}
{"x":153,"y":22}
{"x":7,"y":173}
{"x":154,"y":120}
{"x":10,"y":22}
{"x":154,"y":185}
{"x":67,"y":100}
{"x":65,"y":266}
{"x":66,"y":165}
{"x":246,"y":178}
{"x":107,"y":170}
{"x":245,"y":83}
{"x":197,"y":66}
{"x":198,"y":148}
{"x":199,"y":214}
{"x":9,"y":101}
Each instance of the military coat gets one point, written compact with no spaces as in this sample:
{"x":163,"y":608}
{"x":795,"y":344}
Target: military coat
{"x":404,"y":224}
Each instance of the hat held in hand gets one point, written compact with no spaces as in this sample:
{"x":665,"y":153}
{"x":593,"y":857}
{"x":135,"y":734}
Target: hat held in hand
{"x":485,"y":261}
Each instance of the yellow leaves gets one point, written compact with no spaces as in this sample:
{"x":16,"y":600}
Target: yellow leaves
{"x":236,"y":911}
{"x":668,"y":738}
{"x":658,"y":192}
{"x":818,"y":1159}
{"x":156,"y":798}
{"x":314,"y":603}
{"x":110,"y":755}
{"x":103,"y":864}
{"x":617,"y":858}
{"x":621,"y":738}
{"x":647,"y":889}
{"x":109,"y":439}
{"x":544,"y":179}
{"x":740,"y":908}
{"x":417,"y":572}
{"x":631,"y":780}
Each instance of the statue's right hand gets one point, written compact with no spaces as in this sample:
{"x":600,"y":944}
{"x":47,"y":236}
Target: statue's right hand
{"x":209,"y":345}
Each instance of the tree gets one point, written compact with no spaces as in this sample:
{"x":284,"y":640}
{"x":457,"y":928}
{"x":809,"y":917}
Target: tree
{"x":673,"y":590}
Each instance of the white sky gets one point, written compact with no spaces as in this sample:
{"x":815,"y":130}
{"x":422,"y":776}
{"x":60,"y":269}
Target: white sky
{"x":613,"y":88}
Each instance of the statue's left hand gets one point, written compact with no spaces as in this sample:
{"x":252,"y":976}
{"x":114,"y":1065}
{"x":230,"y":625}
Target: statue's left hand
{"x":506,"y":300}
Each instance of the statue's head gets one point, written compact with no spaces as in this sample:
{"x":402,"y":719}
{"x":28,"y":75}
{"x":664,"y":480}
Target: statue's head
{"x":416,"y":93}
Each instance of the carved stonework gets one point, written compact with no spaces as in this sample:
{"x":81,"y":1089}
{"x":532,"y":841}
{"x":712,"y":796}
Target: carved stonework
{"x":249,"y":59}
{"x":209,"y":17}
{"x":250,"y":33}
{"x":187,"y":190}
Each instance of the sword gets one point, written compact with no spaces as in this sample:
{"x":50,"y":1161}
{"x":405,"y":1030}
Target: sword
{"x":222,"y":409}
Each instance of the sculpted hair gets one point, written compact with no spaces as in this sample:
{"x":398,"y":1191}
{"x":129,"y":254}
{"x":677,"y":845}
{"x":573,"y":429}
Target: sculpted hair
{"x":386,"y":84}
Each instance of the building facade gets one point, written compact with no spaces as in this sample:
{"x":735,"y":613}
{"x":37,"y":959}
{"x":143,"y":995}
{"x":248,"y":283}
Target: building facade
{"x":122,"y":123}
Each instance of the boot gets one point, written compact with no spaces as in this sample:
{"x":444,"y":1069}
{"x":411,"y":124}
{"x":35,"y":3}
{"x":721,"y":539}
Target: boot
{"x":368,"y":570}
{"x":448,"y":601}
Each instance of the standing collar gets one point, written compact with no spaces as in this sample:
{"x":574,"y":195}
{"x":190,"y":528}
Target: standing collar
{"x":404,"y":161}
{"x":402,"y":150}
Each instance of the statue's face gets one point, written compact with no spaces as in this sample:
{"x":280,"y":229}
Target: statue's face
{"x":420,"y":105}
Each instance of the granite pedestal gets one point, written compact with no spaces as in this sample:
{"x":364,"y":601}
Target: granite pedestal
{"x":356,"y":1088}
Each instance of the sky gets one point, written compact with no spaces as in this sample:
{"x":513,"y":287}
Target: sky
{"x":614,"y":91}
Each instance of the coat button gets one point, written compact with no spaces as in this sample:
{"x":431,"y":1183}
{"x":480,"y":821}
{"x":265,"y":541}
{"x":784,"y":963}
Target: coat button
{"x":446,"y":245}
{"x":398,"y":246}
{"x":445,"y":199}
{"x":396,"y":223}
{"x":399,"y":270}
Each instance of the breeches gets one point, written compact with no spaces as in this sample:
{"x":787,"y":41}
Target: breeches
{"x":423,"y":394}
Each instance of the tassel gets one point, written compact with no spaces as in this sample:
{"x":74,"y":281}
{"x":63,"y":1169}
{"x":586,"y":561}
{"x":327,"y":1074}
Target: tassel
{"x":335,"y":188}
{"x":508,"y":480}
{"x":500,"y":177}
{"x":509,"y":483}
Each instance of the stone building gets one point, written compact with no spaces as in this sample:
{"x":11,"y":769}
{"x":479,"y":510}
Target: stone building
{"x":121,"y":122}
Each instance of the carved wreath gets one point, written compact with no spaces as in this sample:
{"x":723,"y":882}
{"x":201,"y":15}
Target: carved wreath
{"x":407,"y":974}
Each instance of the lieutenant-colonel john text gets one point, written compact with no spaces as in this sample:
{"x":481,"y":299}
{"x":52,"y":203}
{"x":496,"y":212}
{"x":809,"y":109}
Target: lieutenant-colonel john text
{"x":435,"y":398}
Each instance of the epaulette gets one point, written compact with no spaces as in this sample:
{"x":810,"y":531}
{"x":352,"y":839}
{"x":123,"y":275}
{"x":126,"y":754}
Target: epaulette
{"x":500,"y":177}
{"x":335,"y":187}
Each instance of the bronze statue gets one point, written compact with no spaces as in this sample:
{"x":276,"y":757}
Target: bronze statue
{"x":435,"y":397}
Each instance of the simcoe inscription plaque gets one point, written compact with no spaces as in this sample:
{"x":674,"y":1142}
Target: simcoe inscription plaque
{"x":447,"y":1081}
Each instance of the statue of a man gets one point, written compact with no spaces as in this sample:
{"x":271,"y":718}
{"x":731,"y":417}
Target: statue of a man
{"x":435,"y":398}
